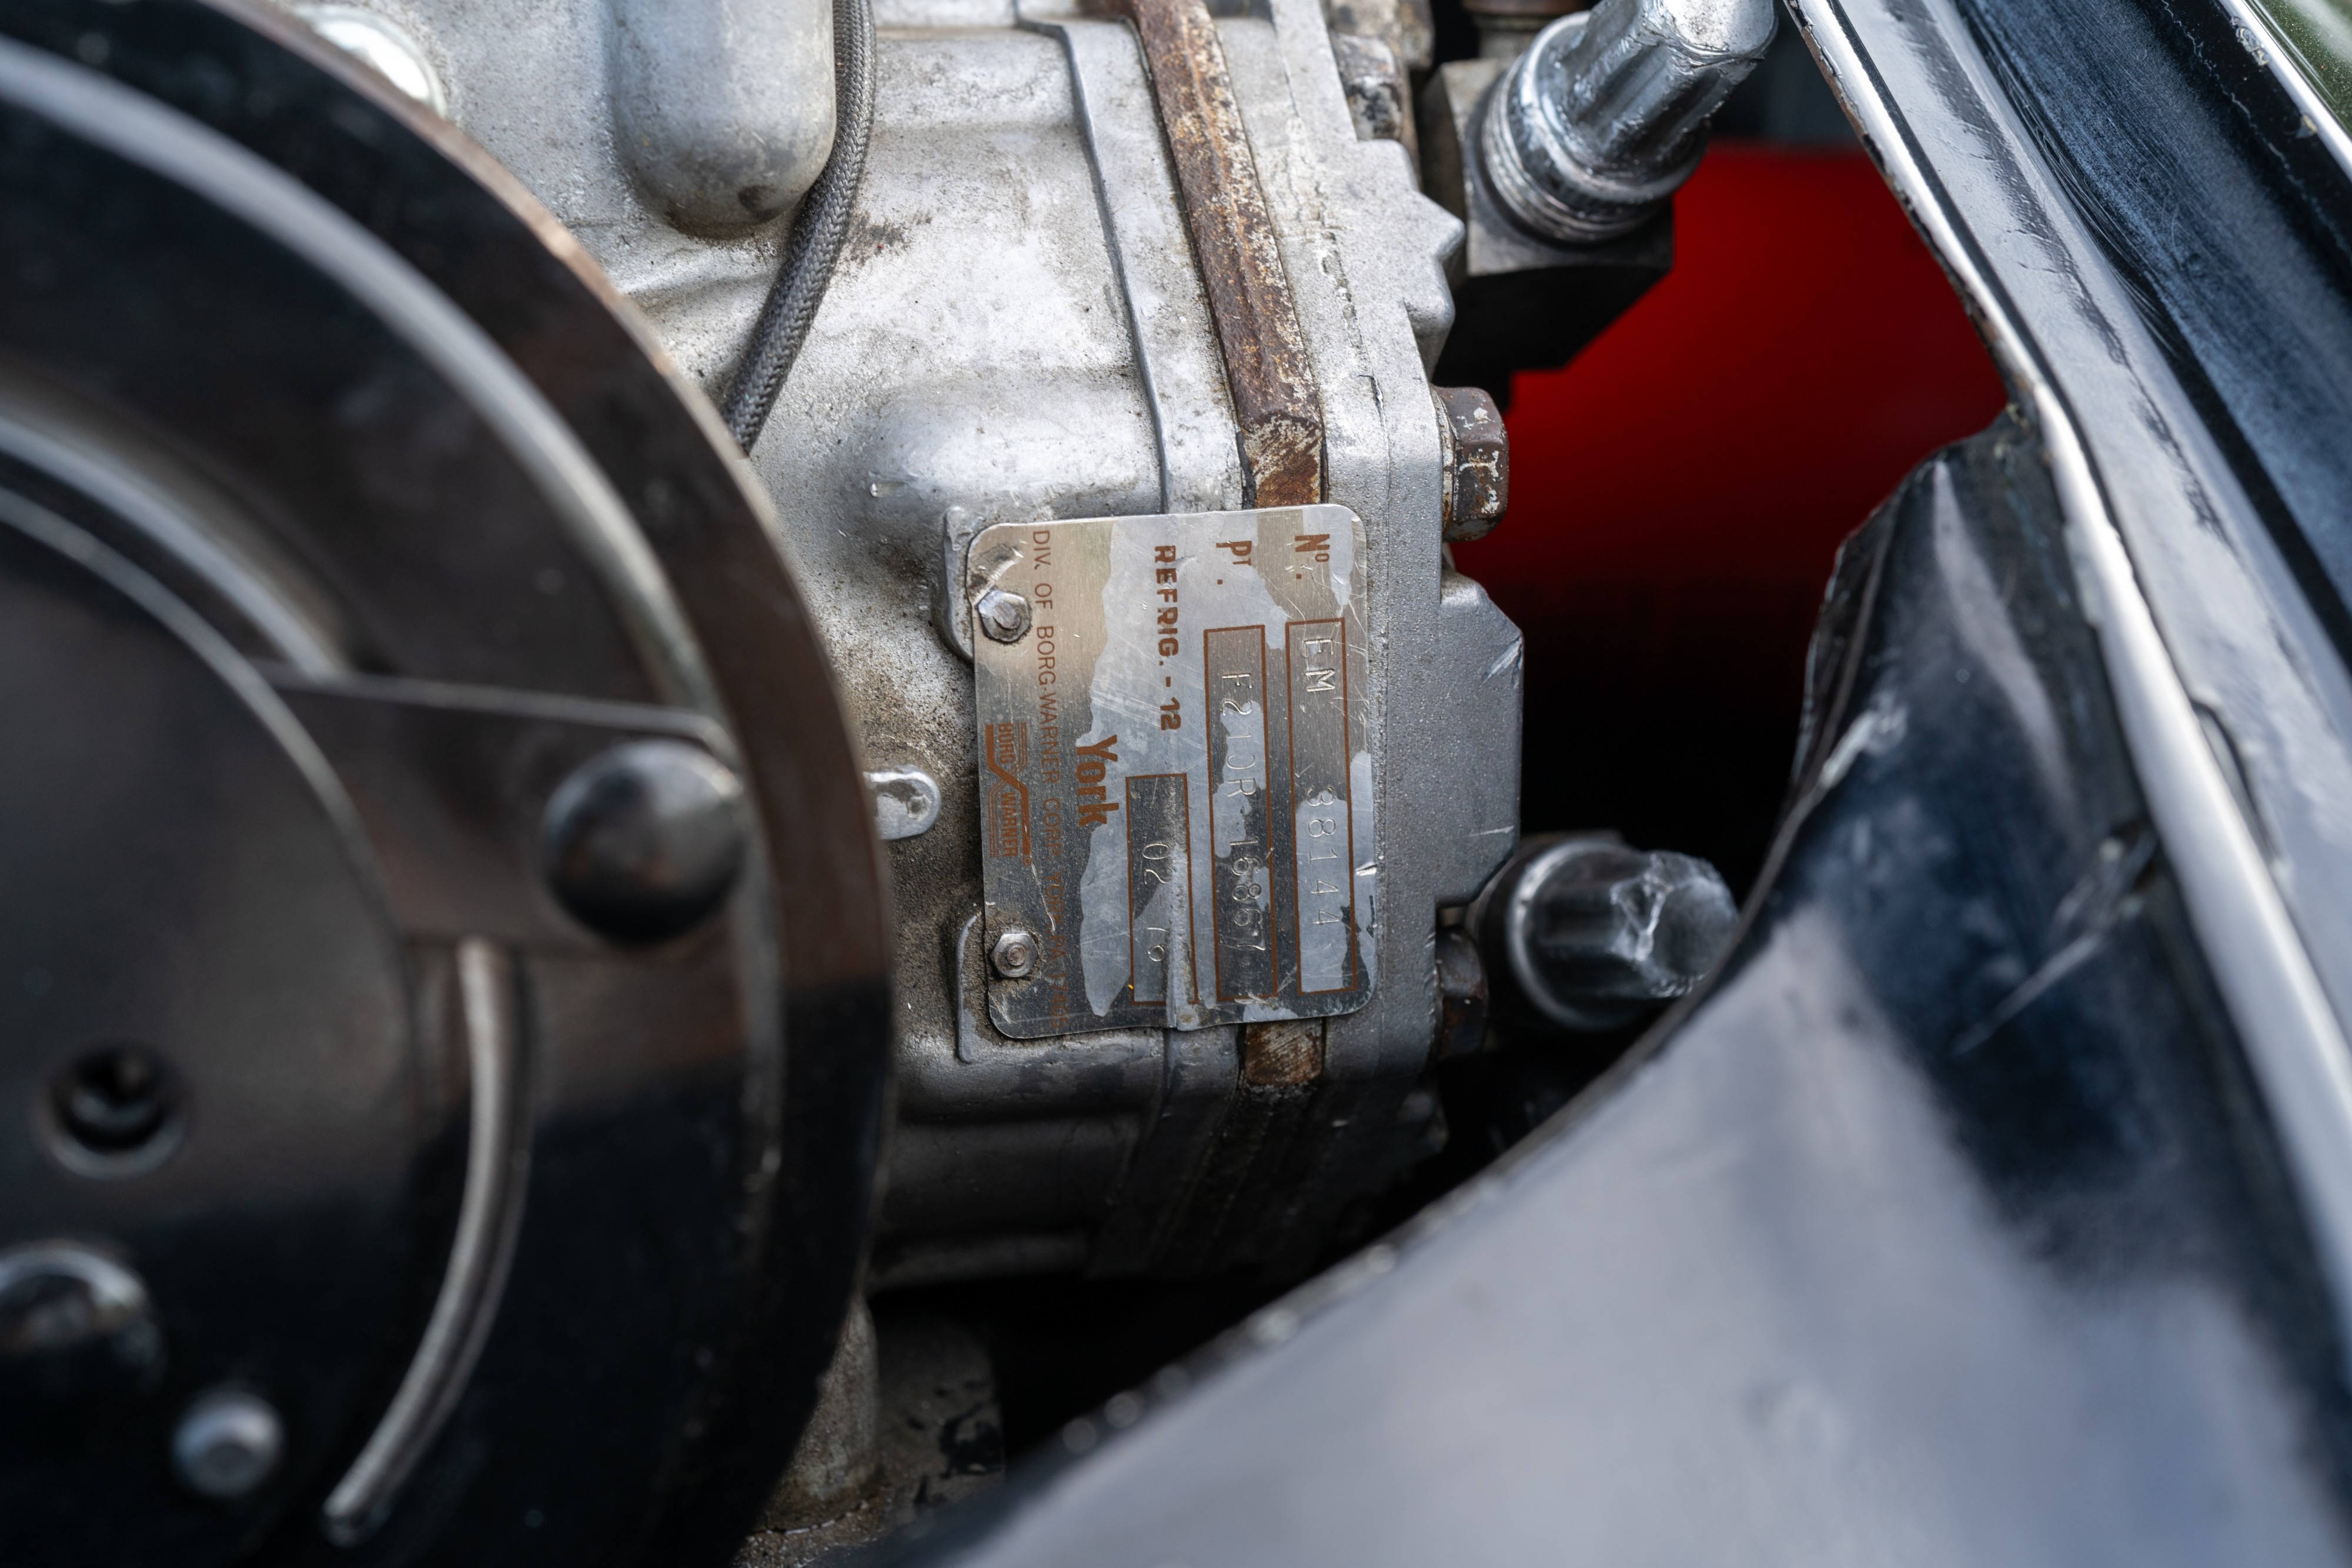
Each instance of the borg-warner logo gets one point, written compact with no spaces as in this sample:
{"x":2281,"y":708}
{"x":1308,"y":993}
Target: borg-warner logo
{"x":1005,"y":752}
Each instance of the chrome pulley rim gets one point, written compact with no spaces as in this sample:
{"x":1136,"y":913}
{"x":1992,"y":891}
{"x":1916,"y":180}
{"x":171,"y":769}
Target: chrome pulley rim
{"x":394,"y":647}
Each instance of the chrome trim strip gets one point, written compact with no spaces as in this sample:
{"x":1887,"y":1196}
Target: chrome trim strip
{"x":498,"y":1154}
{"x":2262,"y":43}
{"x":2291,"y":1035}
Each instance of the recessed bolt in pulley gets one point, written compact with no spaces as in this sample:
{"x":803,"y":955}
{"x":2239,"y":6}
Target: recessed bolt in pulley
{"x":75,"y":1325}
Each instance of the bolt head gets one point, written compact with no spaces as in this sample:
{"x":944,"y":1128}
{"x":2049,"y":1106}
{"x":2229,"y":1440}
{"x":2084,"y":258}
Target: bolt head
{"x":642,"y":842}
{"x":1002,"y":615}
{"x":227,"y":1444}
{"x":75,"y":1326}
{"x":1477,"y":483}
{"x":1014,"y":955}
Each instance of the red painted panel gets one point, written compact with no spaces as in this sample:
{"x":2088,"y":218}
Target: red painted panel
{"x":1678,"y":493}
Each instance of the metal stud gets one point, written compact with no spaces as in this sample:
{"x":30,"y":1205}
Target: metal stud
{"x":227,"y":1444}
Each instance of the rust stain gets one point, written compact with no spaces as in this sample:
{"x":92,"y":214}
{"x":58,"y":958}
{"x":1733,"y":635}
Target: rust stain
{"x":1286,"y":1053}
{"x":1275,"y":397}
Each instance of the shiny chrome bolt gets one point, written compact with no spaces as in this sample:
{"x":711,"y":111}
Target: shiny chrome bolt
{"x":1003,"y":615}
{"x":1587,"y":135}
{"x":644,"y":842}
{"x":227,"y":1444}
{"x":1014,"y":956}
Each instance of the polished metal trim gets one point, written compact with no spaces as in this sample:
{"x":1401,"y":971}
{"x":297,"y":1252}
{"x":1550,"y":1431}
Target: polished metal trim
{"x":2263,"y":42}
{"x":498,"y":1153}
{"x":2292,"y":1037}
{"x":139,"y":130}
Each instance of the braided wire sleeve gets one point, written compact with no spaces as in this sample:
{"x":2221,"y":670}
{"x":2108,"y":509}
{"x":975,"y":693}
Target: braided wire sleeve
{"x":817,"y":233}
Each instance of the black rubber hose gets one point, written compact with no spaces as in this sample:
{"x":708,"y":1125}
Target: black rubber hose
{"x":817,"y":233}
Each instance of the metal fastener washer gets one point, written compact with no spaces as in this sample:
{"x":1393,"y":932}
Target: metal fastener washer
{"x":1014,"y":956}
{"x":1003,"y":615}
{"x":227,"y":1443}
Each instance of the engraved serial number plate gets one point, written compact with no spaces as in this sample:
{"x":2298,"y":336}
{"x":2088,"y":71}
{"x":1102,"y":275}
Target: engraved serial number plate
{"x":1176,"y":768}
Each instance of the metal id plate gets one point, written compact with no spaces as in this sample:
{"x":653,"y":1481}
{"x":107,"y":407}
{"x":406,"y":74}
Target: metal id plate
{"x":1176,"y":767}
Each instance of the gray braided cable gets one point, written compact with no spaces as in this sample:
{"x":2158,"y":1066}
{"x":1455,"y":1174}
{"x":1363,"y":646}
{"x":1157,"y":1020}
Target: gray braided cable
{"x":817,"y":233}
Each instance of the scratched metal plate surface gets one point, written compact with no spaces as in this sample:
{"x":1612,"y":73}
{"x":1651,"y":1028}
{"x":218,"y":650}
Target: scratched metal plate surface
{"x":1176,"y":768}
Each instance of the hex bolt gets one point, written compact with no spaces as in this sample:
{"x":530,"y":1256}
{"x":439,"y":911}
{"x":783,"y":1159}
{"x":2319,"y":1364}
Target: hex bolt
{"x":642,"y":842}
{"x":1003,"y":615}
{"x":1014,"y":956}
{"x":1476,"y":454}
{"x":227,"y":1443}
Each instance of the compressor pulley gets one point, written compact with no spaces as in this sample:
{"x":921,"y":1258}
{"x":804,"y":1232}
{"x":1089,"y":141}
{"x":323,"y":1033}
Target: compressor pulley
{"x":448,"y":1010}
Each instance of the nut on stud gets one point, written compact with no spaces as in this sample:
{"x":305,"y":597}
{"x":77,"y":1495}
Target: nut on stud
{"x":1014,"y":955}
{"x":1002,"y":615}
{"x":1461,"y":997}
{"x":1476,"y":454}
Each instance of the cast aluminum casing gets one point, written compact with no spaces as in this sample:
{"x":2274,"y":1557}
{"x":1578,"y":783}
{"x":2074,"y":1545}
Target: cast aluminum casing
{"x":1017,"y":331}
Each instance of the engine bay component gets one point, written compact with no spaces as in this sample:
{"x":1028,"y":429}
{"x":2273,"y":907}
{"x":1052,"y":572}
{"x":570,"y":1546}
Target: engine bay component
{"x":1586,"y":933}
{"x":818,"y":233}
{"x":458,"y":983}
{"x":1234,"y":829}
{"x":1559,"y":161}
{"x":1589,"y":132}
{"x":1477,"y":462}
{"x":320,"y":584}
